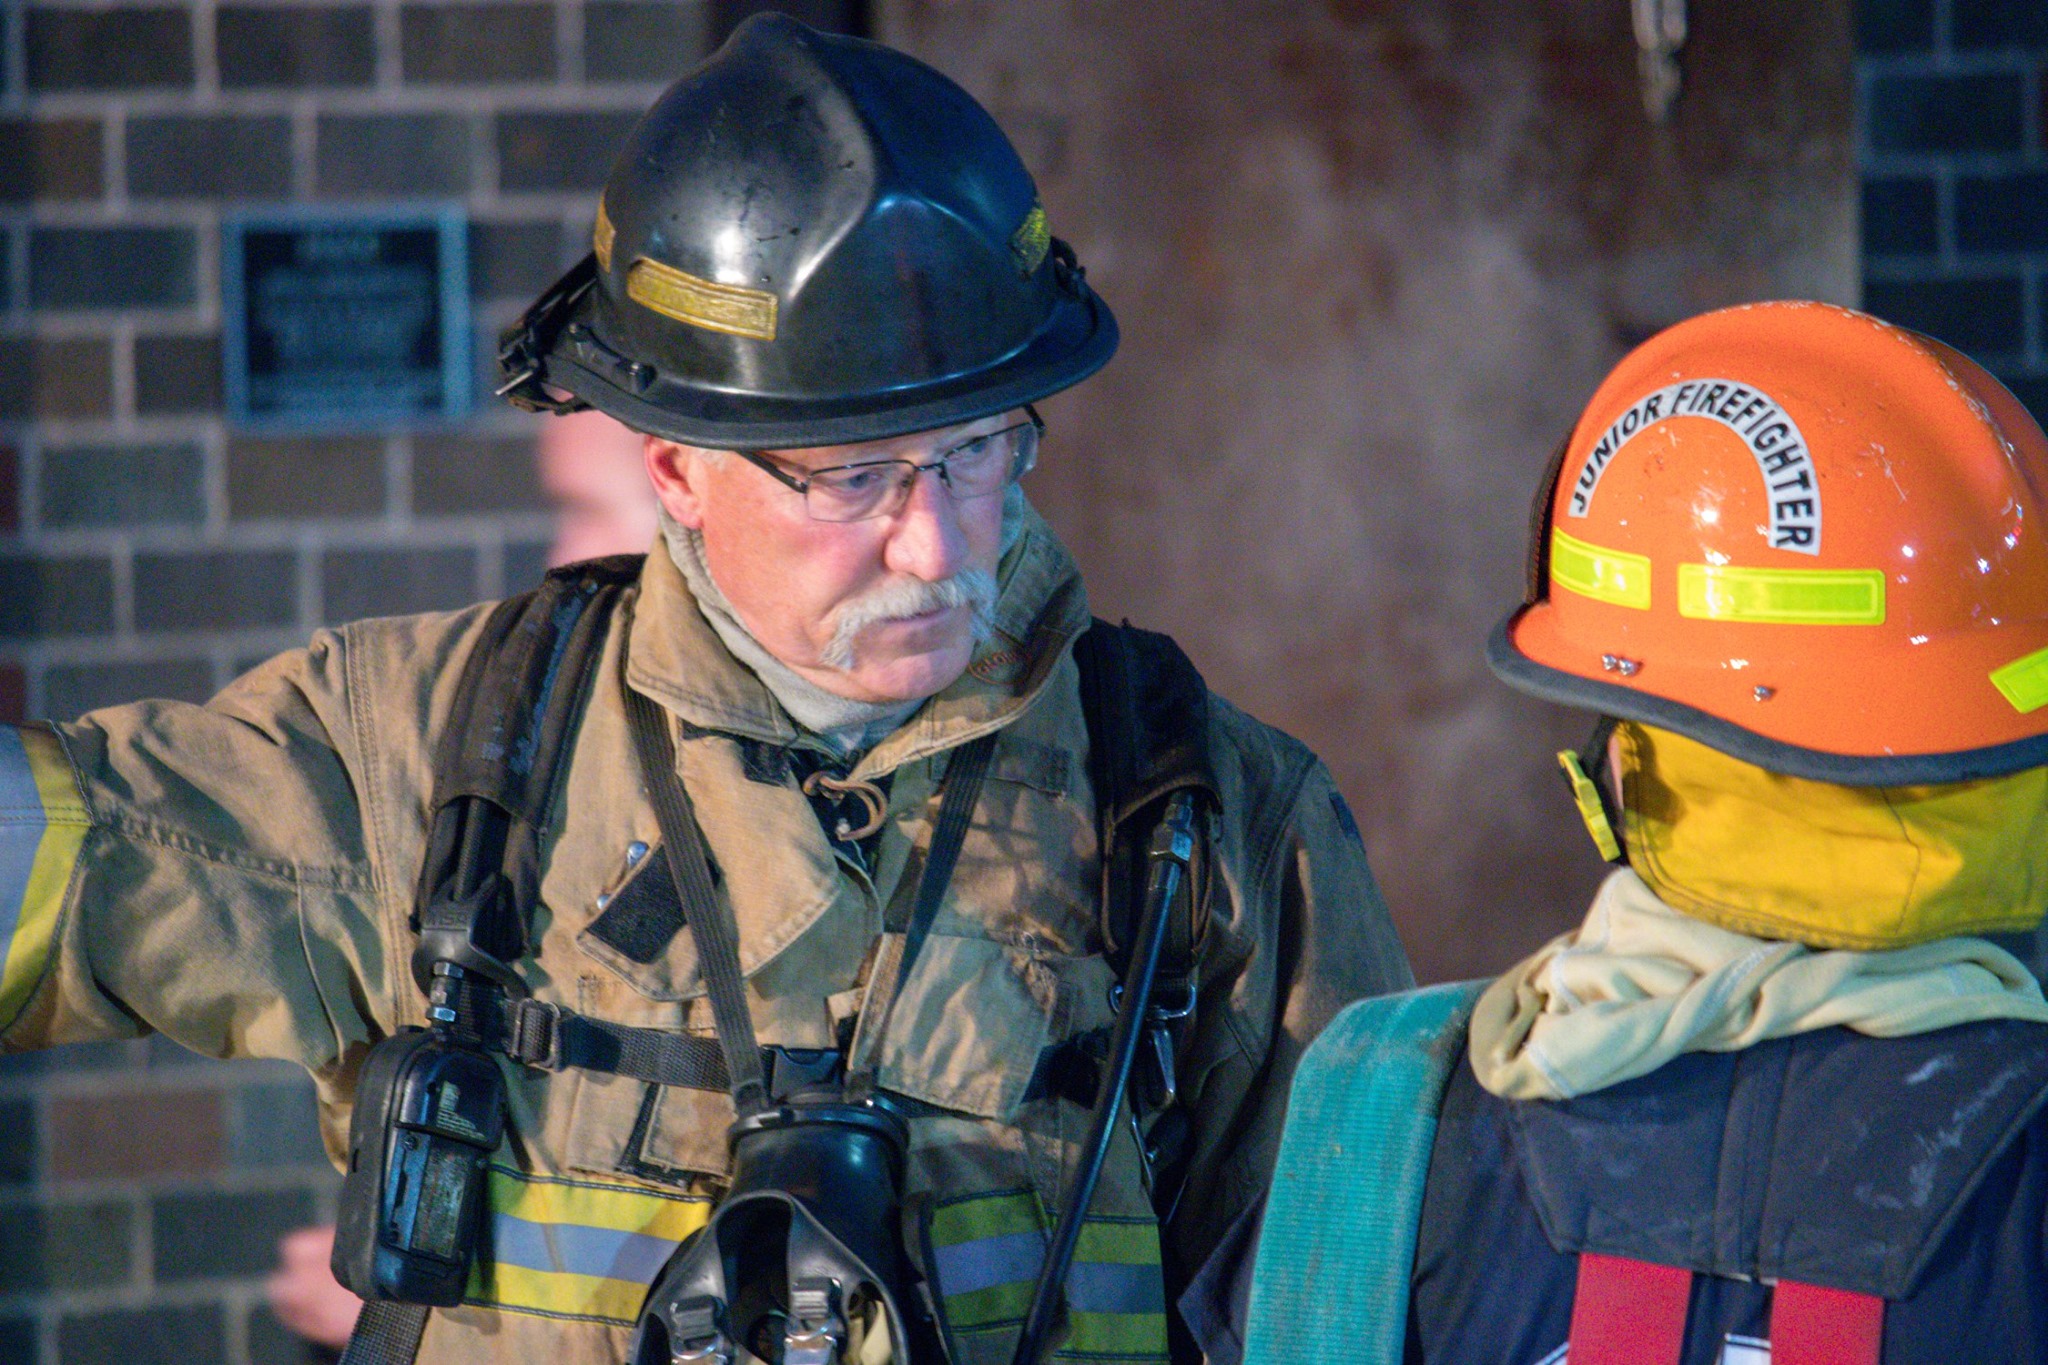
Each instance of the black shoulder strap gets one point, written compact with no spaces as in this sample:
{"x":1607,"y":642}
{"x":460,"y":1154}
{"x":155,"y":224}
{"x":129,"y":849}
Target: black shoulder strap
{"x":1147,"y":712}
{"x":517,"y":704}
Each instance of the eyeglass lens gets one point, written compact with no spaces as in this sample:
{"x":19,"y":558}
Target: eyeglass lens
{"x":975,"y":468}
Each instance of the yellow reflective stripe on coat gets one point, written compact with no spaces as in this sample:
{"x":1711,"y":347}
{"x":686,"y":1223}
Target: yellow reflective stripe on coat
{"x":43,"y":822}
{"x":1788,"y":597}
{"x":1604,"y":575}
{"x":577,"y":1248}
{"x":2024,"y":681}
{"x":987,"y":1251}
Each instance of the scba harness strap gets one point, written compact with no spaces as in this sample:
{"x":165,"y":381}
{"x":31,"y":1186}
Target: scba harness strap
{"x":517,"y":707}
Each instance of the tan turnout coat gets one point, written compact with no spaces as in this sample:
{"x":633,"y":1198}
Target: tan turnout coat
{"x":238,"y":876}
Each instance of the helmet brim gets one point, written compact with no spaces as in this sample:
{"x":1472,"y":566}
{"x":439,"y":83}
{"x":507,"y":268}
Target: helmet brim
{"x":1515,"y":668}
{"x":1078,"y":339}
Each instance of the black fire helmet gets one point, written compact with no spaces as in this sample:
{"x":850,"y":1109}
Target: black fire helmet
{"x":811,"y":240}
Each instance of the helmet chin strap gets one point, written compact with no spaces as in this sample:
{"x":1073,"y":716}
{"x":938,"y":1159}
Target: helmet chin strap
{"x":1590,"y":793}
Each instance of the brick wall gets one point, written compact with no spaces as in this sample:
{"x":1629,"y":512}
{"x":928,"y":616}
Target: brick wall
{"x":1954,"y":134}
{"x":146,"y":548}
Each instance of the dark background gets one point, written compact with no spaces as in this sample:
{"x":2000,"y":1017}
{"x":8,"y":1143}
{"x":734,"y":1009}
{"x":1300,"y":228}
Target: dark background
{"x":1369,"y":258}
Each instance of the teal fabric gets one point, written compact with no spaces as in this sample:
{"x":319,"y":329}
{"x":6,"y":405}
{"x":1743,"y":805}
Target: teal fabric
{"x":1330,"y":1282}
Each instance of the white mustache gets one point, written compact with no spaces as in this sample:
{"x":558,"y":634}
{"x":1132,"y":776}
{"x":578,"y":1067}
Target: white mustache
{"x":903,"y":598}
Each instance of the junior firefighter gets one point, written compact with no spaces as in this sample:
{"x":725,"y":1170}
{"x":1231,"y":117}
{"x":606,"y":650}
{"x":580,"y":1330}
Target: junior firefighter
{"x":820,"y":919}
{"x":1778,"y":1099}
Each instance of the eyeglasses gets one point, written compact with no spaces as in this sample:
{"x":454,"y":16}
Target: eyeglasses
{"x":978,"y":467}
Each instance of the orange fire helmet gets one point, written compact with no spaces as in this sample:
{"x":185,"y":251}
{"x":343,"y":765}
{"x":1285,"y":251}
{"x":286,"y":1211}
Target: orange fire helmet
{"x":1803,"y":536}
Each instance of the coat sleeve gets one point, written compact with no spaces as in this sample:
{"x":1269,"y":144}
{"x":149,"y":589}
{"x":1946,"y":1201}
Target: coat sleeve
{"x":1299,"y":931}
{"x":221,"y":874}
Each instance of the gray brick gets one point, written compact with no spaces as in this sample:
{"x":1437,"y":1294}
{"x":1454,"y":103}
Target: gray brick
{"x":513,"y":260}
{"x":2002,"y":213}
{"x":392,"y":154}
{"x":205,"y":1235}
{"x":1972,"y":113}
{"x":305,"y":477}
{"x":10,"y":489}
{"x":359,"y":583}
{"x":210,"y":156}
{"x":74,"y":689}
{"x":296,"y":46}
{"x":50,"y":159}
{"x":559,"y":150}
{"x":42,"y":377}
{"x":277,"y":1125}
{"x":124,"y":485}
{"x":452,"y":475}
{"x":55,"y":596}
{"x":63,"y":1246}
{"x":177,"y":375}
{"x":1899,"y":216}
{"x":215,"y":590}
{"x":145,"y":1336}
{"x":111,"y":267}
{"x":470,"y":44}
{"x":110,"y":49}
{"x":641,"y":40}
{"x":17,"y":1143}
{"x":1976,"y":316}
{"x":70,"y":1057}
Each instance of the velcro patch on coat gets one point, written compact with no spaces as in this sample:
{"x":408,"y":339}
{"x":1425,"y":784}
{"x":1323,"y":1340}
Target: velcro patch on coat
{"x":644,"y":915}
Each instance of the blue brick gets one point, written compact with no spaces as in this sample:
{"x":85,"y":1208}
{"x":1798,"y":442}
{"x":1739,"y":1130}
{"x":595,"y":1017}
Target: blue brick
{"x":1973,"y":113}
{"x":2002,"y":212}
{"x":359,"y":583}
{"x":1899,"y":216}
{"x":2032,"y":391}
{"x":74,"y":689}
{"x":55,"y":596}
{"x":112,"y":267}
{"x":1889,"y":26}
{"x":208,"y":1235}
{"x":215,"y":590}
{"x":17,"y":1144}
{"x":18,"y":1341}
{"x":1976,"y":316}
{"x":277,"y":1125}
{"x":2000,"y":23}
{"x":117,"y":485}
{"x":145,"y":1336}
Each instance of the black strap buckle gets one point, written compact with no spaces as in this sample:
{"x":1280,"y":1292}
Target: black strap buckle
{"x":533,"y":1034}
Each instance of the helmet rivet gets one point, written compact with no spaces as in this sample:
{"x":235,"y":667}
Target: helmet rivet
{"x":1615,"y":663}
{"x":1763,"y":693}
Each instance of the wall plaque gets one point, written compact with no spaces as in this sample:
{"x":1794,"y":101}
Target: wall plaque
{"x":336,"y":319}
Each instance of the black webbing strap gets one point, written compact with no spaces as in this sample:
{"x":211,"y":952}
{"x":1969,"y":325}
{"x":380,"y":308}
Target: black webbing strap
{"x":964,"y":773}
{"x":962,"y":789}
{"x":712,"y":929}
{"x":552,"y":1039}
{"x":386,"y":1334}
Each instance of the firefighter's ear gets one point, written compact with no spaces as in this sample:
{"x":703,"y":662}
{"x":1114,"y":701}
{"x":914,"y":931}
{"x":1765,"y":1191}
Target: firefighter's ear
{"x":679,"y":474}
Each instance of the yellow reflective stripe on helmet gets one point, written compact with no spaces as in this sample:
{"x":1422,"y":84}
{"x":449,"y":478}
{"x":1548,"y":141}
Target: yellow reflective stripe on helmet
{"x":1602,"y":574}
{"x":43,"y":823}
{"x":2024,"y":681}
{"x":578,"y":1248}
{"x":1790,"y":597}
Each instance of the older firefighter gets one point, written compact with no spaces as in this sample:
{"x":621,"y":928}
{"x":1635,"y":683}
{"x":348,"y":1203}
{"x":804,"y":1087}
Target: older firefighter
{"x":1777,"y":1099}
{"x":779,"y":860}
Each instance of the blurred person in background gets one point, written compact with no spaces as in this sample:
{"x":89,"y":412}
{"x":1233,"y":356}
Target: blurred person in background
{"x":593,"y":471}
{"x":1781,"y":1098}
